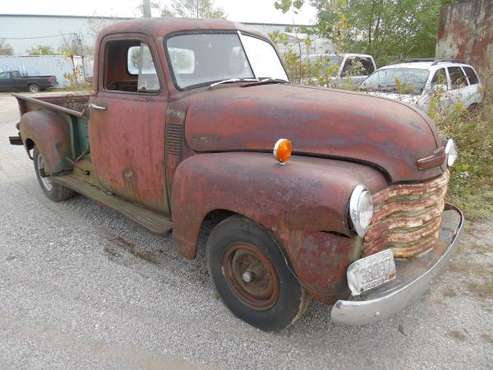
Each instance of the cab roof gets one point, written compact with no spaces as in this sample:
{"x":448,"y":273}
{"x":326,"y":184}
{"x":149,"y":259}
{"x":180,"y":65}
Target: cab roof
{"x":160,"y":27}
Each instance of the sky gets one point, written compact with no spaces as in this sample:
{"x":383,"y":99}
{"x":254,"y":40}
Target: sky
{"x":237,"y":10}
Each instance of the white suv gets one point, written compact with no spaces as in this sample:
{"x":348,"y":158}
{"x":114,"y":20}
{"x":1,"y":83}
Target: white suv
{"x":416,"y":81}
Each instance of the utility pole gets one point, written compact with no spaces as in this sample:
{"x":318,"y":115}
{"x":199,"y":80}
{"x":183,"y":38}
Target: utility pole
{"x":146,"y":6}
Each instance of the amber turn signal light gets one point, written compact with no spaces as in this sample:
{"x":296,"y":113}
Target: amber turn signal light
{"x":282,"y":150}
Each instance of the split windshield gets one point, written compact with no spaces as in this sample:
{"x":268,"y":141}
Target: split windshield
{"x":199,"y":59}
{"x":397,"y":80}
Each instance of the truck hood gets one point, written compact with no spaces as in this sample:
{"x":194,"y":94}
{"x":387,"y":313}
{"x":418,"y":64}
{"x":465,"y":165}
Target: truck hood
{"x":320,"y":122}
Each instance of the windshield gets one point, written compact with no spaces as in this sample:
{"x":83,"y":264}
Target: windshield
{"x":202,"y":59}
{"x":397,"y":80}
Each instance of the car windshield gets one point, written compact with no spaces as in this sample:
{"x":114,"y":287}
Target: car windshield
{"x":397,"y":80}
{"x":199,"y":59}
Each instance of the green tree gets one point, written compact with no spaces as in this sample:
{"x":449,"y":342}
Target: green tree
{"x":193,"y":9}
{"x":387,"y":29}
{"x":5,"y":48}
{"x":41,"y":50}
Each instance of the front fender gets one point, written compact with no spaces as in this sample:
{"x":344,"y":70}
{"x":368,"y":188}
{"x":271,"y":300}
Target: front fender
{"x":303,"y":204}
{"x":49,"y":131}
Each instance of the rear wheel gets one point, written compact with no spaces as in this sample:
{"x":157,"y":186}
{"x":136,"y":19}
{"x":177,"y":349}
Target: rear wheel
{"x":34,"y":88}
{"x":252,"y":277}
{"x":52,"y":190}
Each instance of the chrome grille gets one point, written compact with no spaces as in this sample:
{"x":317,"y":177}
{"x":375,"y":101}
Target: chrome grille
{"x":407,"y":218}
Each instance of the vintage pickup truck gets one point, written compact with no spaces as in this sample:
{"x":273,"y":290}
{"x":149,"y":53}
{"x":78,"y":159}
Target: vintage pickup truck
{"x":180,"y":134}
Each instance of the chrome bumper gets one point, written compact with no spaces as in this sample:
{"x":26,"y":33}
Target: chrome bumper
{"x":413,"y":278}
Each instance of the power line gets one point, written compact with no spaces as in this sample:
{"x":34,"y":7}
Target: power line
{"x":38,"y":37}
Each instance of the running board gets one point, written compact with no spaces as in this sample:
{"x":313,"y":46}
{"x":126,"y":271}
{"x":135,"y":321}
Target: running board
{"x":151,"y":220}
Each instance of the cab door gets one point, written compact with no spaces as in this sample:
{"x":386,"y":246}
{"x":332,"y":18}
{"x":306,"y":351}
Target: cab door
{"x":127,"y":122}
{"x":6,"y":81}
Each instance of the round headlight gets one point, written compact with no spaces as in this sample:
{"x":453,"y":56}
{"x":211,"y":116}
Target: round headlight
{"x":361,"y":209}
{"x":451,"y":152}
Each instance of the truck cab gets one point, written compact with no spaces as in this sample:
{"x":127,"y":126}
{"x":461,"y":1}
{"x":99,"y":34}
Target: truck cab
{"x":295,"y":193}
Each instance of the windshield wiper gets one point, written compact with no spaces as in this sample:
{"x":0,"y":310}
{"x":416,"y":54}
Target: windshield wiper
{"x":232,"y":80}
{"x":267,"y":80}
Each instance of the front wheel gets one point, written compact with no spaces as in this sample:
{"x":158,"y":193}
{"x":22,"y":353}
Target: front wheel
{"x":55,"y":192}
{"x":252,"y":276}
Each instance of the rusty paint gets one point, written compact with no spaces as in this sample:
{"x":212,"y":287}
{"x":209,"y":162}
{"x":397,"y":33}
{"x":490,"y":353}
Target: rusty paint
{"x":49,"y":132}
{"x":127,"y":147}
{"x":305,"y":197}
{"x":320,"y":122}
{"x":465,"y":32}
{"x":407,"y":218}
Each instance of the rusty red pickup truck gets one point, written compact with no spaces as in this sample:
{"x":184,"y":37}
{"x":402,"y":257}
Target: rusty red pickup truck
{"x":294,"y":193}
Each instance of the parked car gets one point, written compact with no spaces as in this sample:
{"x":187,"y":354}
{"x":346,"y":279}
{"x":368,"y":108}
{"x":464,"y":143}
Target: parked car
{"x":347,"y":67}
{"x":416,"y":81}
{"x":15,"y":81}
{"x":294,"y":193}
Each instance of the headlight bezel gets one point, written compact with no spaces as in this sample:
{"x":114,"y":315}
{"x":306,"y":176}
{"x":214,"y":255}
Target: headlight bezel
{"x":360,"y":197}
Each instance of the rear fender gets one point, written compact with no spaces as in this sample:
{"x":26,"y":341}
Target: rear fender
{"x":303,"y":204}
{"x":49,"y":132}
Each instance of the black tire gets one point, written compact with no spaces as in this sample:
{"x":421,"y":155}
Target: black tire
{"x":34,"y":88}
{"x":55,"y":192}
{"x":233,"y":244}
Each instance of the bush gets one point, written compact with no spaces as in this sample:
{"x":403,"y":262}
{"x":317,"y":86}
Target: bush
{"x":471,"y":186}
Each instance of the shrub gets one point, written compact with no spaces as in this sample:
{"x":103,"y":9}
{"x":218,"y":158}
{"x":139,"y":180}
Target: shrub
{"x":471,"y":186}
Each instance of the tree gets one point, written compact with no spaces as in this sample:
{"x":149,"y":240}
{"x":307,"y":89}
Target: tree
{"x":193,"y":9}
{"x":41,"y":50}
{"x":5,"y":48}
{"x":387,"y":29}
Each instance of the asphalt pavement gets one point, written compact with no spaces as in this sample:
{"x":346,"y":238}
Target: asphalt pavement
{"x":83,"y":287}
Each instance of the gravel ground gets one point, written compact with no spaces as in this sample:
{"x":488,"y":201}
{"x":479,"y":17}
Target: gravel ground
{"x":83,"y":287}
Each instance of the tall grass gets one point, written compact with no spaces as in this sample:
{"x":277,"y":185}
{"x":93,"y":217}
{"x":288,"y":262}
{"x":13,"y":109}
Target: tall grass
{"x":471,"y":186}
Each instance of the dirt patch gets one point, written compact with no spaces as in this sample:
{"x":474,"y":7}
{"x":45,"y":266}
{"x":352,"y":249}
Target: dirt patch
{"x":119,"y":244}
{"x":487,"y":338}
{"x":457,"y":335}
{"x":449,"y":292}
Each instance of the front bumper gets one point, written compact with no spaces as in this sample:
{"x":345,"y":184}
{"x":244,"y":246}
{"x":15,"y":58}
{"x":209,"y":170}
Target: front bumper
{"x":413,"y":278}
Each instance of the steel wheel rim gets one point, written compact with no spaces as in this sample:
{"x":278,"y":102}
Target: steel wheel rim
{"x":251,"y":276}
{"x":45,"y":181}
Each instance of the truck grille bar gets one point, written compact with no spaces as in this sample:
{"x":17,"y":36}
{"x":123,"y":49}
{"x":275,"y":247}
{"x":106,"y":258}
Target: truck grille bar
{"x":407,"y":218}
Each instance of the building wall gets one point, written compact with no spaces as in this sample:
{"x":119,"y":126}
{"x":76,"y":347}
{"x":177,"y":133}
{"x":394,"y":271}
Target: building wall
{"x":62,"y":67}
{"x":465,"y":32}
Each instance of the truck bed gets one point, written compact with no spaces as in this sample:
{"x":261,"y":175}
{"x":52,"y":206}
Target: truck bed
{"x":72,"y":105}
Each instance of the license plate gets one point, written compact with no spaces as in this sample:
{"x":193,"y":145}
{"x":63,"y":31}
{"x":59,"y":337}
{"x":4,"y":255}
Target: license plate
{"x":370,"y":272}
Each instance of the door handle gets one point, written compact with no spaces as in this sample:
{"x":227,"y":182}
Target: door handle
{"x":97,"y":107}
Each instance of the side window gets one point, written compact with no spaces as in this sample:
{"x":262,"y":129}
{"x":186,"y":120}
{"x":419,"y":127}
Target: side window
{"x":471,"y":75}
{"x":457,"y":77}
{"x":128,"y":66}
{"x":4,"y":76}
{"x":440,"y":78}
{"x":139,"y":62}
{"x":356,"y":66}
{"x":15,"y":74}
